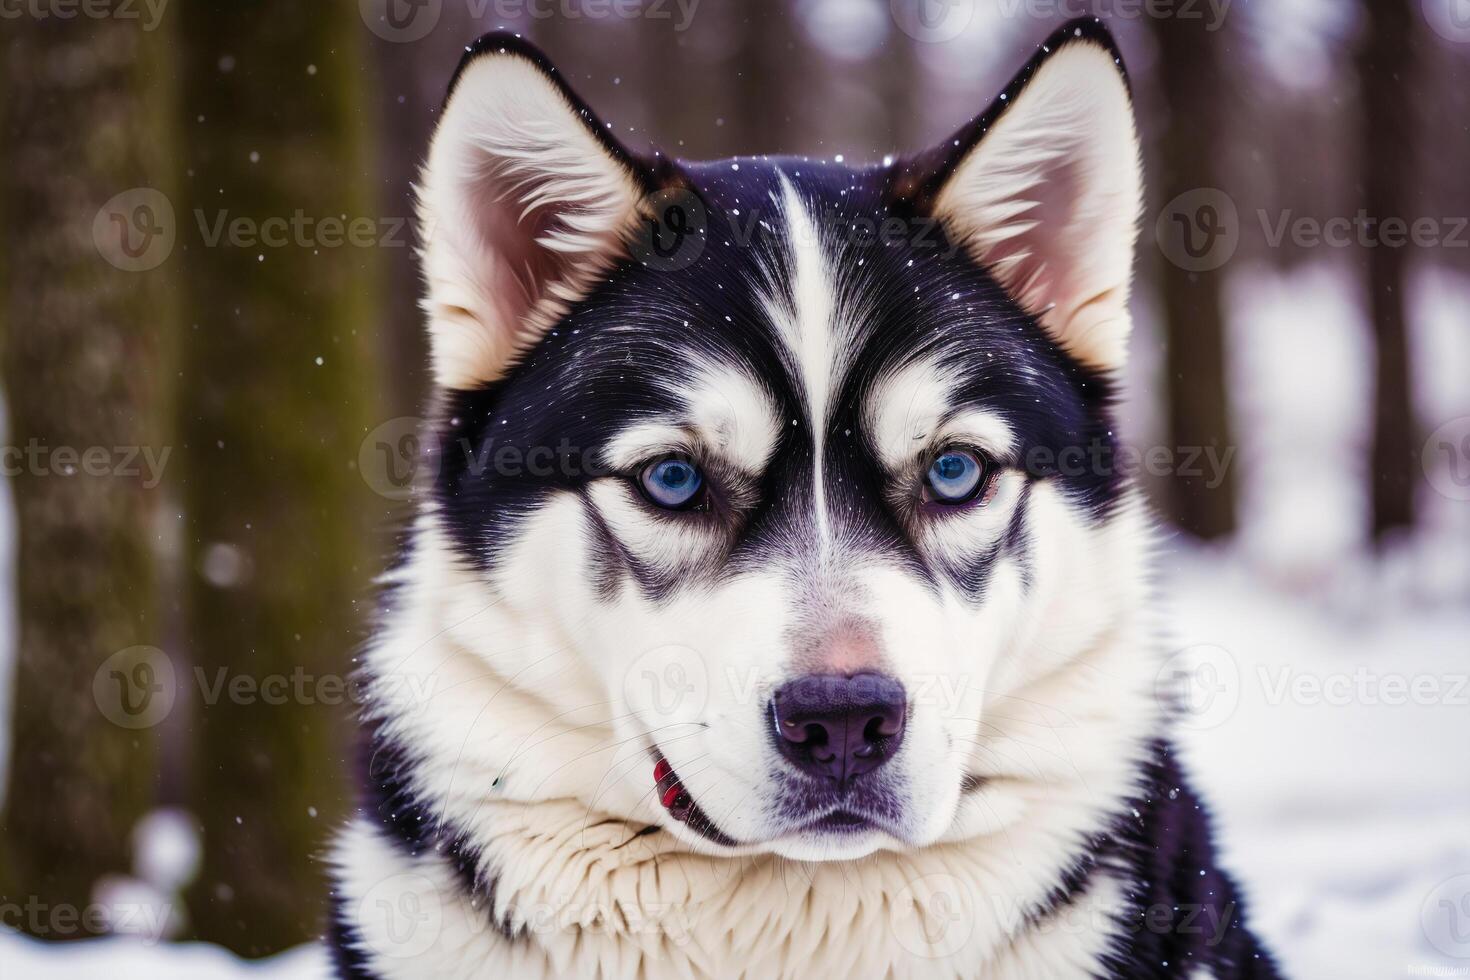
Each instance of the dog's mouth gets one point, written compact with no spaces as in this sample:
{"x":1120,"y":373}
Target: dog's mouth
{"x":841,"y":822}
{"x":680,"y":805}
{"x":848,"y":816}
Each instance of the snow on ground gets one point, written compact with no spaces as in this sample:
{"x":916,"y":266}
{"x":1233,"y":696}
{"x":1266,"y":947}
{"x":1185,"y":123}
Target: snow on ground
{"x":22,"y":958}
{"x":1331,"y":743}
{"x":1333,"y":713}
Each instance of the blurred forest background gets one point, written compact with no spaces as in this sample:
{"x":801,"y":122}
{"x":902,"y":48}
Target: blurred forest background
{"x":255,"y":371}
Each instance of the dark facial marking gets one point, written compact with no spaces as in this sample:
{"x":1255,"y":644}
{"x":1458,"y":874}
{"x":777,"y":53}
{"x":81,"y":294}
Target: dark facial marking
{"x":615,"y":358}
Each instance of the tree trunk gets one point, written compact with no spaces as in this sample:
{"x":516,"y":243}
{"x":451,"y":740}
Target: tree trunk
{"x":412,"y":80}
{"x":765,"y":60}
{"x":901,"y":73}
{"x":1386,"y":140}
{"x":278,"y":371}
{"x":1198,"y":411}
{"x":89,"y":320}
{"x":671,"y":96}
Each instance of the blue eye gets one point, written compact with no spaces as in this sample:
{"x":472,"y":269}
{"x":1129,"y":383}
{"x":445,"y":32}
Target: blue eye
{"x":955,"y":477}
{"x":672,"y":483}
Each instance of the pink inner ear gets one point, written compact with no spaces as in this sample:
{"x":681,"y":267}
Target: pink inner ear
{"x":519,"y":269}
{"x":1049,"y":200}
{"x":1034,"y":265}
{"x":525,"y":268}
{"x":523,"y":204}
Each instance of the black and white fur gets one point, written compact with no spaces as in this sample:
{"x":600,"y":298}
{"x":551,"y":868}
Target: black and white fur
{"x":1034,"y":821}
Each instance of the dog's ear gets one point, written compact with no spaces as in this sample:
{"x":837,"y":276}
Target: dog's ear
{"x":524,"y":200}
{"x":1044,"y":189}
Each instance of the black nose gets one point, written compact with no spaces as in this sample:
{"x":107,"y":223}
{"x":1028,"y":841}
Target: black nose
{"x":837,"y":727}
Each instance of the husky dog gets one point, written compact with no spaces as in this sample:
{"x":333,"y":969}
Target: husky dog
{"x":776,"y":606}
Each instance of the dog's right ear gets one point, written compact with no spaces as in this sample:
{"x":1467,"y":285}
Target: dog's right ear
{"x":526,"y":198}
{"x":1044,"y":189}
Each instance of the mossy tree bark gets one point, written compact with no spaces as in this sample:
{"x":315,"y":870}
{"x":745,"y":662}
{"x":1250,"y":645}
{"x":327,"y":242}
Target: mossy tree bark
{"x":86,"y":376}
{"x":276,"y":395}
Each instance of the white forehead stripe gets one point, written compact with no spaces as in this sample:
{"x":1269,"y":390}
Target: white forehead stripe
{"x":818,"y":348}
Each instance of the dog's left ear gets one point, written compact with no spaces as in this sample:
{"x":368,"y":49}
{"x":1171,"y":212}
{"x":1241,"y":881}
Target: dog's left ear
{"x":1045,"y":188}
{"x":525,"y":200}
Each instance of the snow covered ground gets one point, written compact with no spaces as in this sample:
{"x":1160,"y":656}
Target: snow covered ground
{"x":1331,"y":741}
{"x":126,"y":959}
{"x":1332,"y":686}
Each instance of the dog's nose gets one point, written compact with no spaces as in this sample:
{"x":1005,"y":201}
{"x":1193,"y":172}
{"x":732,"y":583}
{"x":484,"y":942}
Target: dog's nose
{"x":837,"y":726}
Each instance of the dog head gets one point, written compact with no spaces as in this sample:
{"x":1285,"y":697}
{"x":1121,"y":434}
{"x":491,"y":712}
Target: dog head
{"x":790,"y":481}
